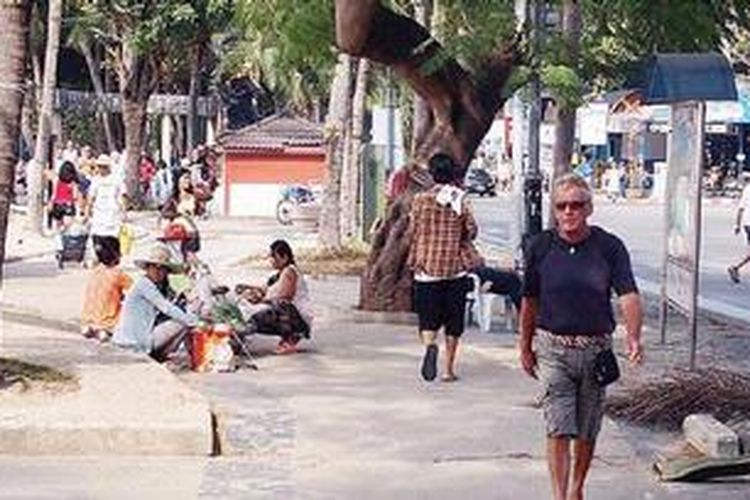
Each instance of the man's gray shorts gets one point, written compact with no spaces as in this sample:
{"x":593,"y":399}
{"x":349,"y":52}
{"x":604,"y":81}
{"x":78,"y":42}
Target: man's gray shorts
{"x":573,"y":402}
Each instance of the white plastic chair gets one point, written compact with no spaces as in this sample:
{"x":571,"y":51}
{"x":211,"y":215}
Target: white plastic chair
{"x":480,"y":305}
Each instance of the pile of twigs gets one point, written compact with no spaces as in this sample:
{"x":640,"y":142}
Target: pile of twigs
{"x":665,"y":403}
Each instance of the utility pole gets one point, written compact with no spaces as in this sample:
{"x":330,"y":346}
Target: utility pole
{"x":532,"y":185}
{"x":527,"y":117}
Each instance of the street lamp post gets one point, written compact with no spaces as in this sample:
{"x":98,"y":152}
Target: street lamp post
{"x":532,"y":179}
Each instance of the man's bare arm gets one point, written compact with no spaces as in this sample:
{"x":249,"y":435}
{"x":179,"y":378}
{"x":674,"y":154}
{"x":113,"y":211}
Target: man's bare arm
{"x":527,"y":325}
{"x":632,"y":314}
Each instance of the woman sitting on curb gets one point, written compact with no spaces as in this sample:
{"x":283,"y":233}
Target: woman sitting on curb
{"x":285,"y":300}
{"x":136,"y":329}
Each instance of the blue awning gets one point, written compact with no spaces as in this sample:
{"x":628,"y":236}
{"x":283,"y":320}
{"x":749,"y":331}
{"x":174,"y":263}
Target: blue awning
{"x":674,"y":78}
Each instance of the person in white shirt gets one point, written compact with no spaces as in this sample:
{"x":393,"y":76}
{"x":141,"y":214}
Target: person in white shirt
{"x":742,"y":222}
{"x":162,"y":185}
{"x":104,"y":208}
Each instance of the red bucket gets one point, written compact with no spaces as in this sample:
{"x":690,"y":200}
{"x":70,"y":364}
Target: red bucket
{"x":200,"y":358}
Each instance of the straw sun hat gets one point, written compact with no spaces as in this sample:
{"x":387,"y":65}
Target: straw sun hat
{"x":158,"y":255}
{"x":103,"y":161}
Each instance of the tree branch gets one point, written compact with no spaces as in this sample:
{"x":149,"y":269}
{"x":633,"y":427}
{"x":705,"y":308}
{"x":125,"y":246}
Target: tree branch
{"x":460,"y":106}
{"x":497,"y":70}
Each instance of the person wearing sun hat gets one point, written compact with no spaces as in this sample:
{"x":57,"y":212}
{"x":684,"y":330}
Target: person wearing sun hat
{"x":196,"y":280}
{"x":105,"y":206}
{"x":136,"y":328}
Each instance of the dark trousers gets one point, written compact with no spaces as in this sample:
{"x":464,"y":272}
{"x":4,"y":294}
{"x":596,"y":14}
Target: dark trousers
{"x":281,"y":319}
{"x":502,"y":283}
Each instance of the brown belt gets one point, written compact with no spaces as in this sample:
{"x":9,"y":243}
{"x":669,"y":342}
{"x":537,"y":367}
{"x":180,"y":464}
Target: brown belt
{"x":577,"y":341}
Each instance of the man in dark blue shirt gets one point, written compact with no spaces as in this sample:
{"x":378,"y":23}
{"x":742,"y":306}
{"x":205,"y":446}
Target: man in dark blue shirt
{"x":567,"y":320}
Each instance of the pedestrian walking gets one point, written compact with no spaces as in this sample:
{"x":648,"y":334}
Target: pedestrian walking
{"x":162,"y":185}
{"x":441,"y":226}
{"x":566,"y":327}
{"x":105,"y":206}
{"x":65,"y":197}
{"x":613,"y":184}
{"x":742,"y":221}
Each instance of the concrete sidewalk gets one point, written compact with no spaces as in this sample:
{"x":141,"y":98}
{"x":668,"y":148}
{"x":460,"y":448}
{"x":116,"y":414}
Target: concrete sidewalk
{"x":116,"y":406}
{"x":349,"y":417}
{"x":119,"y":405}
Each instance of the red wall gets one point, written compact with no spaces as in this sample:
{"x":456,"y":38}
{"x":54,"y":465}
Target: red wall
{"x":279,"y":168}
{"x":272,"y":168}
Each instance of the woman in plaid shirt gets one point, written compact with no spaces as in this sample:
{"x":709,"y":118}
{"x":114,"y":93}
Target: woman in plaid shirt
{"x":441,"y":228}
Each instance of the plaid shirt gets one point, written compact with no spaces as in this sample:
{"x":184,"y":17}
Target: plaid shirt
{"x":439,"y":236}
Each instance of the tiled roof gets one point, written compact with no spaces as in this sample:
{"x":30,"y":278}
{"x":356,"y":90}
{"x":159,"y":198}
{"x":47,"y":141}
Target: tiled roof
{"x":276,"y":133}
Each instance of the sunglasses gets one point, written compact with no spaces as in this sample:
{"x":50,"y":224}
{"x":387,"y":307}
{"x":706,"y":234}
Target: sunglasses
{"x":575,"y":205}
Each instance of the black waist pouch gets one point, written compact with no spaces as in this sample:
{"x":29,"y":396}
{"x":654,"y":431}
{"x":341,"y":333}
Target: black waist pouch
{"x":606,"y":370}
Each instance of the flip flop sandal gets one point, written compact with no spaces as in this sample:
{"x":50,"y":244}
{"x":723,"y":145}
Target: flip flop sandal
{"x":449,"y":378}
{"x":734,"y":274}
{"x":429,"y":363}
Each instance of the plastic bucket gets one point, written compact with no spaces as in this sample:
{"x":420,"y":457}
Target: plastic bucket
{"x":200,"y":355}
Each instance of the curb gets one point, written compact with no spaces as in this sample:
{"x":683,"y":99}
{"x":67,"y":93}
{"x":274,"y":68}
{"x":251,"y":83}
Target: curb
{"x":32,"y":318}
{"x":125,"y":404}
{"x":353,"y":315}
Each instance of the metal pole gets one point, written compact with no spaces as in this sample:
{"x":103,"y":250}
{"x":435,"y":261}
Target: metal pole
{"x":698,"y":212}
{"x":519,"y":109}
{"x":533,"y":178}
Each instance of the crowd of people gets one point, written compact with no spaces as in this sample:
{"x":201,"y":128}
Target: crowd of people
{"x":88,"y":190}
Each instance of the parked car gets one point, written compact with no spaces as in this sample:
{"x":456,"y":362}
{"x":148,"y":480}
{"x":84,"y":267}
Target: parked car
{"x":478,"y":181}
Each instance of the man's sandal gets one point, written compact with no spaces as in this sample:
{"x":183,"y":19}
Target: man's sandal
{"x":429,"y":363}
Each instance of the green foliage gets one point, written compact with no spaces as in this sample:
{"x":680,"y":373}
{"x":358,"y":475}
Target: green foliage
{"x":286,"y":44}
{"x":81,"y":127}
{"x":619,"y":33}
{"x":564,"y":83}
{"x":158,"y":31}
{"x":472,"y":30}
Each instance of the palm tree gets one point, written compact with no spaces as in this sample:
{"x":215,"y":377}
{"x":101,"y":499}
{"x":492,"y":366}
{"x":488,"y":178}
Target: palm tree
{"x":14,"y":18}
{"x":82,"y":37}
{"x":211,"y":17}
{"x":44,"y":129}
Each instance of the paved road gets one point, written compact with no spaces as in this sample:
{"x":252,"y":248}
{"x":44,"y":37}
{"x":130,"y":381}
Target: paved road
{"x":640,"y":225}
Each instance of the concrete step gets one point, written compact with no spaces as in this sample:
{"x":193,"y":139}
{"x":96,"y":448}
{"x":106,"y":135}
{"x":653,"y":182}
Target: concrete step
{"x":123,"y":403}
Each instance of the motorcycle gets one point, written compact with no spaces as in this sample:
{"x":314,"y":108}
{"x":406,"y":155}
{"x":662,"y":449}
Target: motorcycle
{"x":294,"y":200}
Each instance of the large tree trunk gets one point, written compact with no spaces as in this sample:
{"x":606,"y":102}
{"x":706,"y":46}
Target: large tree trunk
{"x":134,"y":119}
{"x":137,"y":78}
{"x":14,"y":19}
{"x":37,"y":166}
{"x":92,"y":64}
{"x":337,"y":124}
{"x":351,"y":179}
{"x":565,"y":122}
{"x":463,"y":106}
{"x":422,"y":120}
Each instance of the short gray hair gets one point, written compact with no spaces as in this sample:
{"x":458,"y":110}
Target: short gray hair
{"x":572,"y":180}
